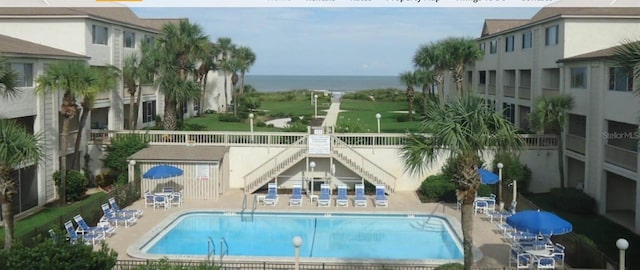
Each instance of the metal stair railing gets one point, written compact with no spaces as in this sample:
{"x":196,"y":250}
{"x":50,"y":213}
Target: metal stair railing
{"x":361,"y":165}
{"x":275,"y":165}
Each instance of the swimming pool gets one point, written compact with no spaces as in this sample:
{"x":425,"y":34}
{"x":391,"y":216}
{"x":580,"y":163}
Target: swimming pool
{"x":336,"y":236}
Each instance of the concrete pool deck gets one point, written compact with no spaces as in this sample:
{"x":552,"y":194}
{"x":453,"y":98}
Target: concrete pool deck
{"x":495,"y":251}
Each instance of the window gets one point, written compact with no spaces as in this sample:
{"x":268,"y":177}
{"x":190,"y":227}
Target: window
{"x":551,"y":35}
{"x":25,"y":74}
{"x":482,"y":48}
{"x":129,"y":39}
{"x":579,"y":77}
{"x":509,"y":112}
{"x":483,"y":77}
{"x":100,"y":35}
{"x":148,"y":111}
{"x":526,"y":40}
{"x":509,"y":43}
{"x":493,"y":46}
{"x":620,"y":79}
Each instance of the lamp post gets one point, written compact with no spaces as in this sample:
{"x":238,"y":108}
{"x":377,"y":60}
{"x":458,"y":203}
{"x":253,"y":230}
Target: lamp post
{"x":500,"y":203}
{"x":132,"y":164}
{"x":622,"y":245}
{"x":378,"y":116}
{"x":251,"y":123}
{"x":315,"y":105}
{"x":297,"y":242}
{"x":312,"y":164}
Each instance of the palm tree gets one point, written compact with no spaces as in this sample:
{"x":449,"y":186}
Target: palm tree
{"x":550,"y":114}
{"x":232,"y":65}
{"x":627,"y":55}
{"x":179,"y":47}
{"x":17,"y":146}
{"x":104,"y":79}
{"x":459,"y":52}
{"x":432,"y":57}
{"x":8,"y":79}
{"x":409,"y":78}
{"x":131,"y":79}
{"x":207,"y":64}
{"x":246,"y":59}
{"x":72,"y":78}
{"x":463,"y":128}
{"x":226,"y":48}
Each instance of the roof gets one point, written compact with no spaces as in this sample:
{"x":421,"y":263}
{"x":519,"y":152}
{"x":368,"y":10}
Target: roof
{"x":10,"y":46}
{"x":122,"y":15}
{"x":180,"y":153}
{"x":498,"y":25}
{"x":495,"y":26}
{"x":594,"y":55}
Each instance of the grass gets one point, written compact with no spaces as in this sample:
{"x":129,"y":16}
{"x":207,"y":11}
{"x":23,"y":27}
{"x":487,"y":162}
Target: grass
{"x":602,"y":231}
{"x":51,"y":216}
{"x":362,"y":114}
{"x":211,"y":122}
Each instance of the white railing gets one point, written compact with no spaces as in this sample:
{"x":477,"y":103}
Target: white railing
{"x":619,"y":156}
{"x":275,"y":165}
{"x":361,"y":165}
{"x":230,"y":138}
{"x":575,"y":143}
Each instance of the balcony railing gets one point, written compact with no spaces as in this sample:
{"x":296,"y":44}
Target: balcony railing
{"x":548,"y":91}
{"x":575,"y":143}
{"x":618,"y":156}
{"x":509,"y":91}
{"x":524,"y":92}
{"x":492,"y":89}
{"x":230,"y":138}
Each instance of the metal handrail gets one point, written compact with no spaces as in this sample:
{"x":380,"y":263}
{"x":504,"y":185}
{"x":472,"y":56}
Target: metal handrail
{"x":223,"y":244}
{"x":211,"y":250}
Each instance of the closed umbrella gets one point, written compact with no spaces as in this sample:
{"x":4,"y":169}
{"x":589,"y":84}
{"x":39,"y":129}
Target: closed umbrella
{"x":539,"y":222}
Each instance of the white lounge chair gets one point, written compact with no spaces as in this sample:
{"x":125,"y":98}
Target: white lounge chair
{"x":126,"y":212}
{"x":360,"y":200}
{"x":296,"y":196}
{"x":342,"y":199}
{"x":272,"y":195}
{"x":110,"y":216}
{"x":381,"y":197}
{"x":84,"y":228}
{"x":87,"y":238}
{"x":325,"y":195}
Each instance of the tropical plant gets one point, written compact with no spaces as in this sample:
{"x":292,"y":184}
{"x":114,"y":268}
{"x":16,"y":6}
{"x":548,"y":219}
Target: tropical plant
{"x":431,"y":57}
{"x":207,"y":63}
{"x":76,"y":184}
{"x":226,"y":48}
{"x":463,"y":128}
{"x":549,"y":115}
{"x":120,"y":149}
{"x":409,"y":78}
{"x":459,"y":52}
{"x":232,"y":66}
{"x":58,"y":254}
{"x":179,"y":47}
{"x":104,"y":80}
{"x":72,"y":78}
{"x":17,"y":147}
{"x":627,"y":55}
{"x":8,"y":79}
{"x":246,"y":58}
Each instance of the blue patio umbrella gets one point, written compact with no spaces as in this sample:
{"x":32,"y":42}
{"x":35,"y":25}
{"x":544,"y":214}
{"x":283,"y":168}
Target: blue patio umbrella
{"x":539,"y":222}
{"x":162,"y":171}
{"x":487,"y":177}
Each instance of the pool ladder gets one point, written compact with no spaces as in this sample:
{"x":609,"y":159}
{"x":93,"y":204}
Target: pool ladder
{"x":243,"y":217}
{"x":211,"y":250}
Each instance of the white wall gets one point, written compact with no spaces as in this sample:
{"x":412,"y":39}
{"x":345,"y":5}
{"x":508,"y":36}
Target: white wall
{"x":64,"y":34}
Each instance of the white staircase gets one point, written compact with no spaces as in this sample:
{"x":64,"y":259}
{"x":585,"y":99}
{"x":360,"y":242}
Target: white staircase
{"x":275,"y":166}
{"x":361,"y":165}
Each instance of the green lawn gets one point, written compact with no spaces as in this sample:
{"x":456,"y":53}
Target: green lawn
{"x":362,"y":114}
{"x":210,"y":122}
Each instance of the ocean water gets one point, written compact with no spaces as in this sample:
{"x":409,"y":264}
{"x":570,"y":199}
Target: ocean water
{"x":273,"y":83}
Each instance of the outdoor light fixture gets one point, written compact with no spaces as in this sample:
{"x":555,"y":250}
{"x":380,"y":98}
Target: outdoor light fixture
{"x":622,"y":245}
{"x":297,"y":242}
{"x":312,"y":164}
{"x":378,"y":116}
{"x":315,"y":103}
{"x":500,"y":203}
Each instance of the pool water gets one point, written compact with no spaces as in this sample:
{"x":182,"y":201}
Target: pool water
{"x":353,"y":236}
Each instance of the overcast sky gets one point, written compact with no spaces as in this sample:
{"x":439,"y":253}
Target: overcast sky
{"x":336,"y":41}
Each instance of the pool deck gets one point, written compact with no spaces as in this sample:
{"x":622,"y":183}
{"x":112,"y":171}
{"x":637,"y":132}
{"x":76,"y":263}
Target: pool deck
{"x":495,"y":251}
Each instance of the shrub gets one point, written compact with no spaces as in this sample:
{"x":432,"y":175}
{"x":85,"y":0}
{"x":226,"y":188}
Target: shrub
{"x":438,"y":188}
{"x":295,"y":127}
{"x":450,"y":266}
{"x":76,"y":184}
{"x":61,"y":255}
{"x":261,"y":124}
{"x":573,"y":200}
{"x":227,"y":117}
{"x":209,"y":111}
{"x":513,"y":170}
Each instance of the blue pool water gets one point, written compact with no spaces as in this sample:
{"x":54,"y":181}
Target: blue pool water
{"x":352,"y":236}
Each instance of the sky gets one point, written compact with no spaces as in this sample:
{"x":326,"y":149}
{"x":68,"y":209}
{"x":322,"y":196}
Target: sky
{"x":336,"y":41}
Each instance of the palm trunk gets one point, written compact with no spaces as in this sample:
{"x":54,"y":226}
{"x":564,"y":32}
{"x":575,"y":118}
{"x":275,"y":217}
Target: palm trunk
{"x":458,"y":78}
{"x":204,"y":92}
{"x":226,"y":96}
{"x":66,"y":124}
{"x":76,"y":148}
{"x":170,"y":121}
{"x":466,"y":219}
{"x":7,"y":218}
{"x":132,"y":116}
{"x":441,"y":91}
{"x":137,"y":107}
{"x":561,"y":159}
{"x":242,"y":82}
{"x":235,"y":101}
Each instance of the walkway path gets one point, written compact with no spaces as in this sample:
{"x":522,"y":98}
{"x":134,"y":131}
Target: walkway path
{"x":331,"y":118}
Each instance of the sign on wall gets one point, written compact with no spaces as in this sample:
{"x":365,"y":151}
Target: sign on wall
{"x":320,"y":144}
{"x":202,"y":172}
